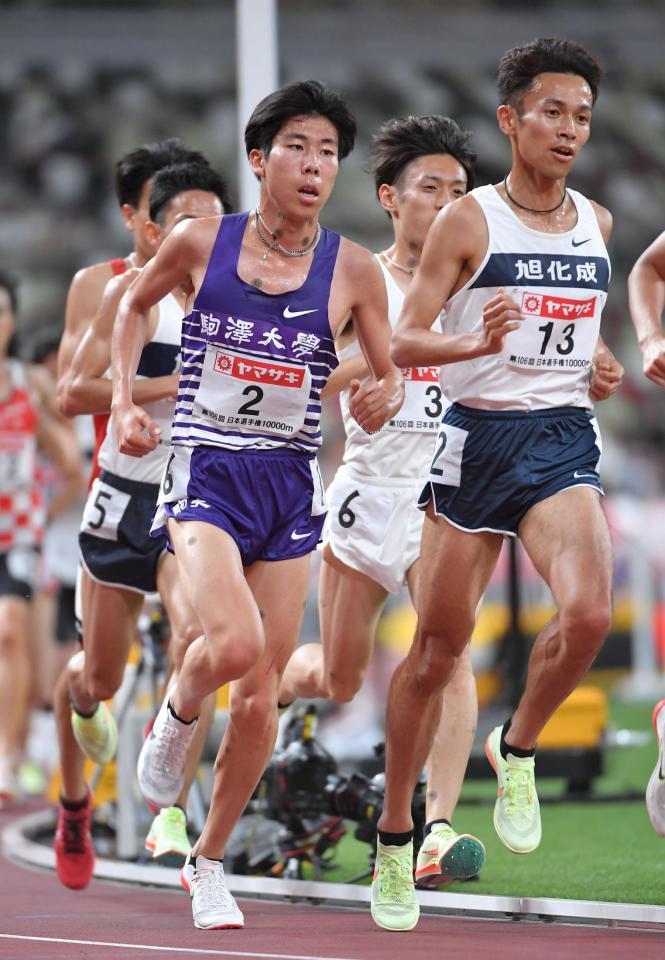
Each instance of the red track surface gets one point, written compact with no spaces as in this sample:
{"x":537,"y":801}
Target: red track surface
{"x":129,"y":919}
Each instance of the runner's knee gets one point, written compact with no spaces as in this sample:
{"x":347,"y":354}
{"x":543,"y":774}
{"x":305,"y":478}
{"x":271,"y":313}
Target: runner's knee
{"x":102,"y":681}
{"x":255,"y":715}
{"x":587,"y":623}
{"x":343,"y":688}
{"x":232,"y":653}
{"x":434,"y":659}
{"x":12,"y":643}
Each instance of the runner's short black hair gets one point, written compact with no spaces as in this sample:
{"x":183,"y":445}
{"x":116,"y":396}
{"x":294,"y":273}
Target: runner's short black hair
{"x":305,"y":98}
{"x":521,"y":65}
{"x":9,"y":283}
{"x":170,"y":181}
{"x":136,"y":167}
{"x":398,"y":142}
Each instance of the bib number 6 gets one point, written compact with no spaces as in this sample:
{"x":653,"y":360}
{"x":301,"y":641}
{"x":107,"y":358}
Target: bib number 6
{"x":346,"y":516}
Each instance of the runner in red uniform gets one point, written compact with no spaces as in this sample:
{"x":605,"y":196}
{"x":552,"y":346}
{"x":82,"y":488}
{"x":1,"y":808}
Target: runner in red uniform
{"x":26,"y":423}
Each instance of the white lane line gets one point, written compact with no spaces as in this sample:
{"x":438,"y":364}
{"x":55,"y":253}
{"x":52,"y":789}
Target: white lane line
{"x":145,"y":946}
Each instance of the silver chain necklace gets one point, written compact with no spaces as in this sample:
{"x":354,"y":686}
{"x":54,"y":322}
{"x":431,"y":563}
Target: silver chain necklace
{"x":274,"y":245}
{"x":394,"y":263}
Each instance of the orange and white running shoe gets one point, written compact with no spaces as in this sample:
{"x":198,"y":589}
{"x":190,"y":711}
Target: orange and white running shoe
{"x":446,"y":856}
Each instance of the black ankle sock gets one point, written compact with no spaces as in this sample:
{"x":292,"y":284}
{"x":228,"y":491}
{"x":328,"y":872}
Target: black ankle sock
{"x":74,"y":805}
{"x":212,"y":859}
{"x":432,"y":823}
{"x":395,"y":839}
{"x":507,"y":748}
{"x":80,"y":713}
{"x":284,"y":706}
{"x":179,"y":719}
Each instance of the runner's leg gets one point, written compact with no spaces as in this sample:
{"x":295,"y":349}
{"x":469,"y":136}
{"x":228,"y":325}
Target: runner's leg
{"x":458,"y":567}
{"x":350,"y":604}
{"x":279,"y":589}
{"x":567,"y":538}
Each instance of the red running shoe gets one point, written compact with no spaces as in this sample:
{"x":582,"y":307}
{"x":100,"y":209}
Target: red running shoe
{"x":74,"y":852}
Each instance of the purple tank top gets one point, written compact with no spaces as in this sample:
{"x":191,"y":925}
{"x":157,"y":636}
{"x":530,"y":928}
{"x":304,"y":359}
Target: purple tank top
{"x":254,"y":364}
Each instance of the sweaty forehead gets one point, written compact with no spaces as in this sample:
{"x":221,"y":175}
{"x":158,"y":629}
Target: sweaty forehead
{"x":560,"y":86}
{"x":441,"y":167}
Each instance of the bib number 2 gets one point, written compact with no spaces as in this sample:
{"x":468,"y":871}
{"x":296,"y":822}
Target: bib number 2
{"x":256,"y":396}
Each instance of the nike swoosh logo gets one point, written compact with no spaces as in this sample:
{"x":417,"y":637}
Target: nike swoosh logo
{"x":290,"y":314}
{"x":578,"y":243}
{"x":578,"y":476}
{"x":300,"y":536}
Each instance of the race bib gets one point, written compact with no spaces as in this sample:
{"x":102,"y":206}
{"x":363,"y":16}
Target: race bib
{"x":104,"y":509}
{"x":555,"y":332}
{"x":447,"y":460}
{"x":253,"y":395}
{"x":17,"y":457}
{"x":423,"y":402}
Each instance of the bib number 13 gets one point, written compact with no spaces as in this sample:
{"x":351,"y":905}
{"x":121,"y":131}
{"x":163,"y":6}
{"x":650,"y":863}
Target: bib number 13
{"x":565,"y":346}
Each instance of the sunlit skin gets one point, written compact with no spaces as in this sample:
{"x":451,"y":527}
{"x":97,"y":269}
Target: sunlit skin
{"x":297,"y":177}
{"x":351,"y":602}
{"x":135,"y":219}
{"x":85,"y":389}
{"x":250,"y":642}
{"x":646,"y":296}
{"x":547,"y":130}
{"x":87,"y":287}
{"x":426,"y":186}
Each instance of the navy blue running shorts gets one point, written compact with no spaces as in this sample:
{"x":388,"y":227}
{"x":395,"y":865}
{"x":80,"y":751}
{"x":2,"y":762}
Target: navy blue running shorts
{"x":490,"y":467}
{"x":116,"y":546}
{"x":272,"y":502}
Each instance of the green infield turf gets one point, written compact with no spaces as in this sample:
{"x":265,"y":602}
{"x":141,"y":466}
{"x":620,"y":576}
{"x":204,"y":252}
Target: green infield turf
{"x":603,"y":850}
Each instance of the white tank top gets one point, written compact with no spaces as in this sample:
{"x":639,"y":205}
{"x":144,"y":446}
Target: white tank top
{"x":402,"y":449}
{"x":159,"y":358}
{"x":560,"y":282}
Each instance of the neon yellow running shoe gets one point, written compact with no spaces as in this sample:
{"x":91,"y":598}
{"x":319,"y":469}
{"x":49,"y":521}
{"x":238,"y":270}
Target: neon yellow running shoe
{"x":394,"y":903}
{"x":516,"y":811}
{"x":97,"y":736}
{"x":446,"y":856}
{"x":168,"y":838}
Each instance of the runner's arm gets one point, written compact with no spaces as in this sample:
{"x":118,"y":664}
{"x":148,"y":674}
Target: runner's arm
{"x":606,"y":372}
{"x":373,"y":403}
{"x":355,"y":368}
{"x":83,"y":299}
{"x":86,"y":387}
{"x":137,"y":433}
{"x":646,"y":299}
{"x":457,"y":234}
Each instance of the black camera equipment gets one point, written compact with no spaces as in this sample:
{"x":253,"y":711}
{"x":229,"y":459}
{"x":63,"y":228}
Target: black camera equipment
{"x":303,"y":791}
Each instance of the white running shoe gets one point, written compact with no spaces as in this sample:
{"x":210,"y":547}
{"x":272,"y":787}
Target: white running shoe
{"x":213,"y":906}
{"x":161,"y":764}
{"x":656,"y":785}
